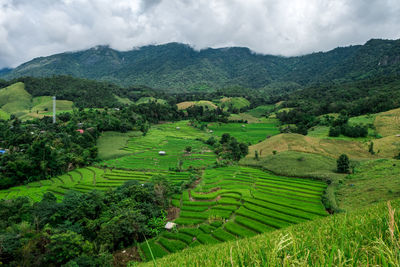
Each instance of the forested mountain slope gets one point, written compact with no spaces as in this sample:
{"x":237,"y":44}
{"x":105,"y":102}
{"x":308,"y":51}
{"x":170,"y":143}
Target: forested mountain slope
{"x":180,"y":67}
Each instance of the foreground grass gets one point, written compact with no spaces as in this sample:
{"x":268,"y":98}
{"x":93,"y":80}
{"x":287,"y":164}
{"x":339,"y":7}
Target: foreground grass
{"x":367,"y":237}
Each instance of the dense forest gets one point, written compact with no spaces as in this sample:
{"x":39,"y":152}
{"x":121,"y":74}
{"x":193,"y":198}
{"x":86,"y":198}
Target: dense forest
{"x":82,"y":229}
{"x":351,"y":99}
{"x":179,"y":67}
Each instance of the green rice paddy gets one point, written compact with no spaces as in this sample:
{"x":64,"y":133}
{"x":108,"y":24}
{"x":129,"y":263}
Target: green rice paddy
{"x":87,"y":179}
{"x":250,"y":133}
{"x":235,"y":202}
{"x":172,"y":138}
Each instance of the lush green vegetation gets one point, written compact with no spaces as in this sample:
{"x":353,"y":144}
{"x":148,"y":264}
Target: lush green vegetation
{"x":235,"y":202}
{"x":111,"y":144}
{"x":261,"y":111}
{"x":205,"y":70}
{"x":301,"y":164}
{"x":172,"y":138}
{"x":368,"y":236}
{"x":251,"y":133}
{"x":371,"y":182}
{"x":158,"y":154}
{"x":84,"y":180}
{"x":234,"y":104}
{"x":82,"y":229}
{"x":38,"y":150}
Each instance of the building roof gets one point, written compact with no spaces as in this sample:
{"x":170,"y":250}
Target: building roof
{"x":2,"y":151}
{"x":81,"y":131}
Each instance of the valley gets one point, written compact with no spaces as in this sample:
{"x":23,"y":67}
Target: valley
{"x":298,"y":172}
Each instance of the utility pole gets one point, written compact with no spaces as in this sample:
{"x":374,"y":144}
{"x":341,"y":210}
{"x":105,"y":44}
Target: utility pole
{"x":54,"y":109}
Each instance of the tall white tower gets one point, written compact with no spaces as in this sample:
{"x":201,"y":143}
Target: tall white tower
{"x":54,"y":109}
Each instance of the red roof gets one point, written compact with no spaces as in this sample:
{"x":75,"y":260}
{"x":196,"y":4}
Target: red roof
{"x":81,"y":131}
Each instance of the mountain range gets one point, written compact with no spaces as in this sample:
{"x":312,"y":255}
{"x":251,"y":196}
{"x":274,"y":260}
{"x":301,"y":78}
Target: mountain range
{"x":179,"y":67}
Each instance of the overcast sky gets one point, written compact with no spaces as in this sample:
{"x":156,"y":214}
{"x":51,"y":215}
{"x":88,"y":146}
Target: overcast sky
{"x":32,"y":28}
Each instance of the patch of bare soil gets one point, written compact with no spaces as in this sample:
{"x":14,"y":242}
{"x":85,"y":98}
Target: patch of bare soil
{"x":173,"y":213}
{"x":122,"y":257}
{"x":212,"y":190}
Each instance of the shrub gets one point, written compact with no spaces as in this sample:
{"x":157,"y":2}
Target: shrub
{"x":334,"y":131}
{"x":343,"y":164}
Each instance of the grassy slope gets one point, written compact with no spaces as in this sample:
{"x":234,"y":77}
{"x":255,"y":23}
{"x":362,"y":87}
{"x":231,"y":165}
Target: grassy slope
{"x":61,"y":105}
{"x":234,"y":102}
{"x":388,"y":123}
{"x":203,"y":103}
{"x":323,"y":132}
{"x":4,"y":115}
{"x":15,"y":99}
{"x":247,"y":117}
{"x":143,"y":100}
{"x":325,"y":147}
{"x":111,"y":144}
{"x":123,"y":100}
{"x":371,"y":182}
{"x":358,"y":238}
{"x":301,"y":164}
{"x":260,"y":111}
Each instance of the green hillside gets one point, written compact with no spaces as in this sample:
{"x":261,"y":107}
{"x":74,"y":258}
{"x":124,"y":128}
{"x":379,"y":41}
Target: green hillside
{"x":4,"y":115}
{"x":179,"y":67}
{"x":47,"y":105}
{"x":14,"y":99}
{"x":234,"y":103}
{"x":143,"y":100}
{"x":237,"y":202}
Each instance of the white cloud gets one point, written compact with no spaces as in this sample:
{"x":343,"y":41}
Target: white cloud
{"x":30,"y":29}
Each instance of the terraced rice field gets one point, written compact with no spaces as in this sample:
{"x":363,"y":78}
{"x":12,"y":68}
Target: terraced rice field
{"x":250,"y":133}
{"x":172,"y":138}
{"x":87,"y":179}
{"x":235,"y":202}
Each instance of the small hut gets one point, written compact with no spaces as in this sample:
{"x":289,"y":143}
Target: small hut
{"x":81,"y":131}
{"x":170,"y":225}
{"x":162,"y":153}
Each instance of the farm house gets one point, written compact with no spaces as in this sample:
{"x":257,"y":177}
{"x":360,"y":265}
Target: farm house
{"x":162,"y":153}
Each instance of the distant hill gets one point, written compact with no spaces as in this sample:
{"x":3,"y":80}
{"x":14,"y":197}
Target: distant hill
{"x":5,"y":71}
{"x":179,"y":67}
{"x":16,"y":100}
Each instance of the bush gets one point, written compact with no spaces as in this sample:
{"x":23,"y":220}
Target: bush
{"x":343,"y":164}
{"x":334,"y":131}
{"x":211,"y":141}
